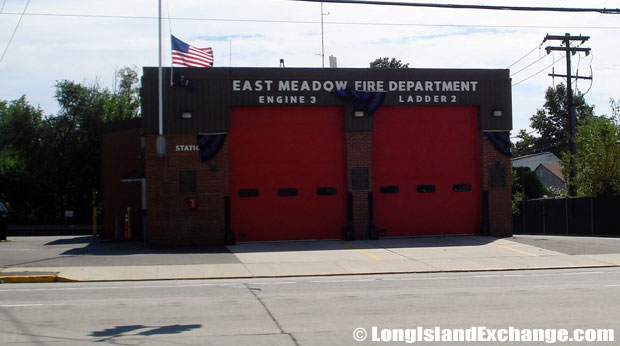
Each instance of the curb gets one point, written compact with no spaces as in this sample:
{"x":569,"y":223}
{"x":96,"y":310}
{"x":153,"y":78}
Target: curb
{"x":15,"y":279}
{"x":32,"y":277}
{"x":57,"y":278}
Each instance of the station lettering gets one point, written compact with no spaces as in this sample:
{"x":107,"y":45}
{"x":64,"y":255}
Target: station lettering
{"x":359,"y":85}
{"x":288,"y":85}
{"x":427,"y":99}
{"x":181,"y":147}
{"x":271,"y":91}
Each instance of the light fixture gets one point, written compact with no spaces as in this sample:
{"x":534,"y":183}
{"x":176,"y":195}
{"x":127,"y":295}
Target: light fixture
{"x":498,"y":113}
{"x":358,"y":114}
{"x":186,"y":115}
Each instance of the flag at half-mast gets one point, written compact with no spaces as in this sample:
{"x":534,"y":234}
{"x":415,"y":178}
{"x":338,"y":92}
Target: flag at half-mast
{"x":187,"y":55}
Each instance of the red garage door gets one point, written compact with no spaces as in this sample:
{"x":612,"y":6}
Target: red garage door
{"x":426,"y":171}
{"x":287,"y":173}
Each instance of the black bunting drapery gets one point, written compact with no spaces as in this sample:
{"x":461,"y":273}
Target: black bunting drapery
{"x":209,"y":144}
{"x":180,"y":80}
{"x":501,"y":141}
{"x":366,"y":101}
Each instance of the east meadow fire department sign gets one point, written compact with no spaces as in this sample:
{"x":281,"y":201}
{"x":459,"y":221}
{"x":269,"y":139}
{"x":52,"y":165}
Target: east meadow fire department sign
{"x":270,"y":91}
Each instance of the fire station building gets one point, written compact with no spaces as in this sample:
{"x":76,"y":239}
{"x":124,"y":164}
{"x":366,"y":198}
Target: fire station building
{"x":265,"y":154}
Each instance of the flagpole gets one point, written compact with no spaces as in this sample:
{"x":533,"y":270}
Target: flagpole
{"x":160,"y":73}
{"x":160,"y":144}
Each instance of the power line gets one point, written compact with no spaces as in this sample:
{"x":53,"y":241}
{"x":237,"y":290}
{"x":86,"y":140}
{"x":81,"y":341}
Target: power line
{"x":14,"y":31}
{"x":471,"y":7}
{"x":276,"y":21}
{"x":539,"y":59}
{"x":523,"y":57}
{"x":591,"y":75}
{"x":553,"y":63}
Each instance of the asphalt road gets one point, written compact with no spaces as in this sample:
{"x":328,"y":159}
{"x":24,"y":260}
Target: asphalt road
{"x":304,"y":311}
{"x":87,"y":251}
{"x":572,"y":245}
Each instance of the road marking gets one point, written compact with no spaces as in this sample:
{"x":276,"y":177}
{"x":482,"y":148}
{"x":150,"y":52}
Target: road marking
{"x":361,"y":251}
{"x":274,"y":283}
{"x":612,"y":285}
{"x":515,"y":250}
{"x":422,"y":278}
{"x":579,"y":273}
{"x":28,"y":305}
{"x":111,"y":287}
{"x":565,"y":274}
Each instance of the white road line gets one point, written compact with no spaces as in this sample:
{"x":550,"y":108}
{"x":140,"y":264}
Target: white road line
{"x":27,"y":305}
{"x":346,"y":280}
{"x":273,"y":283}
{"x":108,"y":287}
{"x":566,"y":274}
{"x":429,"y":278}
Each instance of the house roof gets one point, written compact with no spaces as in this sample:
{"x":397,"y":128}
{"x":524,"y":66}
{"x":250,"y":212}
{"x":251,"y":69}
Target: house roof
{"x":555,"y":168}
{"x":530,"y":156}
{"x":532,"y":161}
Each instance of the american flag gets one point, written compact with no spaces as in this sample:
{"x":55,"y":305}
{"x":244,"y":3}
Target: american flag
{"x":184,"y":54}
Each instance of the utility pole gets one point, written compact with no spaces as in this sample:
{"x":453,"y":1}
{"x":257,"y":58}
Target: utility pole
{"x":572,"y":114}
{"x":322,"y":37}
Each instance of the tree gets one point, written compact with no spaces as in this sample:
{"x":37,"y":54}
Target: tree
{"x":387,"y":63}
{"x":552,"y":122}
{"x":525,"y":185}
{"x":525,"y":144}
{"x":126,"y":105}
{"x":75,"y":137}
{"x":20,"y":147}
{"x":597,"y":159}
{"x":49,"y":164}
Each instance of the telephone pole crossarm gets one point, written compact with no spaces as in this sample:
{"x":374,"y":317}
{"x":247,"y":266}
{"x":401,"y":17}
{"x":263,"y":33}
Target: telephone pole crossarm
{"x":566,"y":38}
{"x":566,"y":76}
{"x":572,"y":50}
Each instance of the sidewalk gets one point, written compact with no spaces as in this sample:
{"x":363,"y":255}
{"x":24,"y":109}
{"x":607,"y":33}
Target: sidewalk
{"x":283,"y":259}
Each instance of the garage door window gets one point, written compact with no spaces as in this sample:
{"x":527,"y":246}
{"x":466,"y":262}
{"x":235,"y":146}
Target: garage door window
{"x":288,"y":192}
{"x":461,"y":188}
{"x":425,"y":188}
{"x":245,"y":193}
{"x":326,"y":191}
{"x":388,"y":189}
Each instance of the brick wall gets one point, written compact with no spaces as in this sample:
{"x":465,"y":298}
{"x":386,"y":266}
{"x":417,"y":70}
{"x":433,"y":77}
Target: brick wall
{"x":500,"y":199}
{"x":359,"y":154}
{"x":121,"y":153}
{"x":170,"y":220}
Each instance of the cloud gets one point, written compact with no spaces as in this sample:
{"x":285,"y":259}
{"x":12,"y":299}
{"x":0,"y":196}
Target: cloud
{"x":48,"y":47}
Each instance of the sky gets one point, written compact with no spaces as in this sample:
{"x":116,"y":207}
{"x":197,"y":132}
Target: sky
{"x":87,"y":41}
